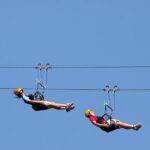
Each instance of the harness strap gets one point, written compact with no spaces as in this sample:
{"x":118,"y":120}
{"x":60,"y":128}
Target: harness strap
{"x":38,"y":96}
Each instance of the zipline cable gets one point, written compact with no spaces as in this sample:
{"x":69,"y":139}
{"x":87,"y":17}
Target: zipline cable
{"x":83,"y":67}
{"x":78,"y":89}
{"x":52,"y":89}
{"x":16,"y":67}
{"x":144,"y":89}
{"x":101,"y":67}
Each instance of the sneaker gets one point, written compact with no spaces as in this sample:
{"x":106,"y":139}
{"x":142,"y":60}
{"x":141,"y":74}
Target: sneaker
{"x":69,"y":107}
{"x":137,"y":126}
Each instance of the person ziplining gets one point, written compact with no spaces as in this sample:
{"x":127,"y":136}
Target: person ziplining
{"x":37,"y":99}
{"x":109,"y":124}
{"x":38,"y":105}
{"x":105,"y":121}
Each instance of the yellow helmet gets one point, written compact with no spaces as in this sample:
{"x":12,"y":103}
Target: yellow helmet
{"x":87,"y":112}
{"x":18,"y":92}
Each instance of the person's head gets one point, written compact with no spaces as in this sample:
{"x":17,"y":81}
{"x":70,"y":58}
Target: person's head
{"x":18,"y":92}
{"x":88,"y":113}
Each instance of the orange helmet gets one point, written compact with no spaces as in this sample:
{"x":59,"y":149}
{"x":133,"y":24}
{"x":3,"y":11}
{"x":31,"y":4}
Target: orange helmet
{"x":18,"y":92}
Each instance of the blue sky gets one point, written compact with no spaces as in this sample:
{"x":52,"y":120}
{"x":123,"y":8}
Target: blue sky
{"x":74,"y":33}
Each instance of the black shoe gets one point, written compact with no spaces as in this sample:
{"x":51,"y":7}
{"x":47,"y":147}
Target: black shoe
{"x":69,"y":107}
{"x":137,"y":126}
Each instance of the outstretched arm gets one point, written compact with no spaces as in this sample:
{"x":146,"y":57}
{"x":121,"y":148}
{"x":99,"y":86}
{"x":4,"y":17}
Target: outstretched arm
{"x":99,"y":124}
{"x":27,"y":100}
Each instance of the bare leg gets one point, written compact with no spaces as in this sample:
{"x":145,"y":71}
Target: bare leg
{"x":55,"y":105}
{"x":129,"y":126}
{"x":47,"y":103}
{"x":58,"y":106}
{"x":67,"y":107}
{"x":124,"y":125}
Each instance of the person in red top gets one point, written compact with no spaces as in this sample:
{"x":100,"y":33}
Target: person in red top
{"x":38,"y":105}
{"x":109,"y":124}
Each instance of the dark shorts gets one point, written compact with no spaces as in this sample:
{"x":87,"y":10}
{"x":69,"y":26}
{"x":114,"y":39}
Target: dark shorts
{"x":112,"y":125}
{"x":38,"y":107}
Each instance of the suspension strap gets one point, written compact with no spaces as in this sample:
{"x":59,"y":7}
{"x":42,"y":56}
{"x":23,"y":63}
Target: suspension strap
{"x":41,"y":82}
{"x":115,"y":89}
{"x":38,"y":96}
{"x":47,"y":67}
{"x":39,"y":79}
{"x":107,"y":101}
{"x":109,"y":106}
